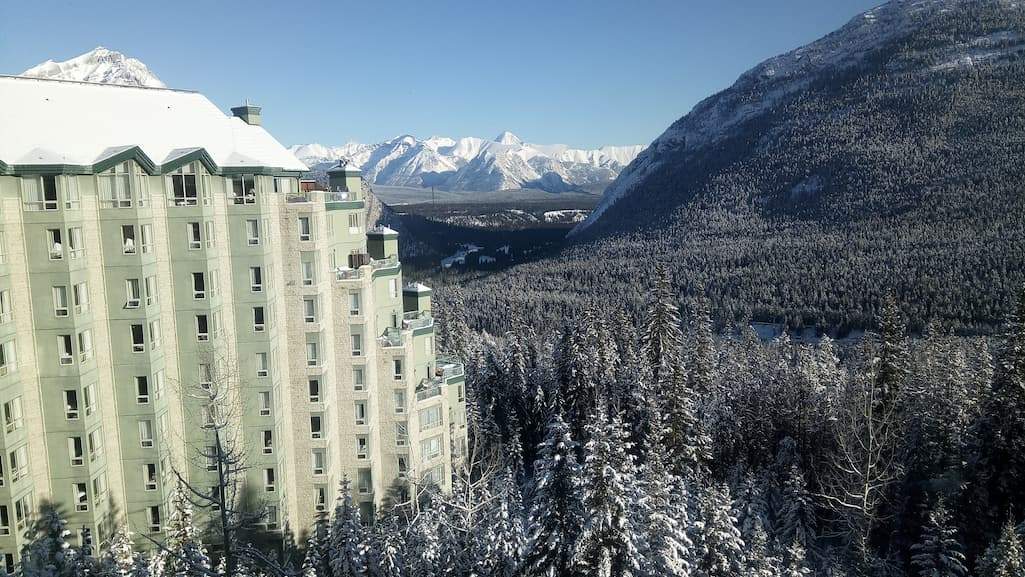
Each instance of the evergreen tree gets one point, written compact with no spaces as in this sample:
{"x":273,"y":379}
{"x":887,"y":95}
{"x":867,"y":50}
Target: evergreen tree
{"x":718,"y":544}
{"x":48,"y":553}
{"x":608,"y":544}
{"x":556,"y":512}
{"x":385,"y":552}
{"x":119,"y":560}
{"x":892,"y":373}
{"x":661,"y":337}
{"x":667,"y":545}
{"x":938,"y":553}
{"x":702,"y":355}
{"x":182,"y":554}
{"x":795,"y":561}
{"x":347,"y":557}
{"x":505,"y":538}
{"x":313,"y":563}
{"x":760,"y":563}
{"x":1005,"y":557}
{"x":797,"y":511}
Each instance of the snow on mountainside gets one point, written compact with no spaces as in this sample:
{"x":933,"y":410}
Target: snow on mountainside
{"x":475,"y":164}
{"x":774,"y":81}
{"x":98,"y":65}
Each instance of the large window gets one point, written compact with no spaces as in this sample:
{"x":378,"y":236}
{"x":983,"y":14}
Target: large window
{"x":40,"y":193}
{"x":128,"y":238}
{"x":60,"y":301}
{"x":243,"y":188}
{"x":430,"y":418}
{"x":138,"y":339}
{"x":65,"y":354}
{"x":195,"y":234}
{"x":253,"y":232}
{"x":255,"y":279}
{"x":183,"y":186}
{"x":116,"y":186}
{"x":305,"y":230}
{"x":430,"y":448}
{"x":55,"y":243}
{"x":133,"y":293}
{"x":198,"y":285}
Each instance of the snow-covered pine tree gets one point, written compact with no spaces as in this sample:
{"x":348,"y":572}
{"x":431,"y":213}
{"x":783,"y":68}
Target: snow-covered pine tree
{"x":313,"y":562}
{"x":1004,"y":558}
{"x":576,"y":382}
{"x":423,"y":552}
{"x":938,"y":553}
{"x":667,"y":546}
{"x":347,"y":550}
{"x":795,"y":562}
{"x":797,"y":518}
{"x":661,"y":336}
{"x":751,"y":505}
{"x":182,"y":553}
{"x":385,"y":558}
{"x":119,"y":559}
{"x":48,"y":552}
{"x":556,"y":512}
{"x":892,"y":373}
{"x":504,"y":539}
{"x":701,"y":357}
{"x":760,"y":561}
{"x":718,"y":545}
{"x":608,"y":543}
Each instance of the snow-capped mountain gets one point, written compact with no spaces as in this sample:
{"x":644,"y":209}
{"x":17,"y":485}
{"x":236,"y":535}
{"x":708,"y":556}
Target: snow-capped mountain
{"x":475,"y":164}
{"x":98,"y":65}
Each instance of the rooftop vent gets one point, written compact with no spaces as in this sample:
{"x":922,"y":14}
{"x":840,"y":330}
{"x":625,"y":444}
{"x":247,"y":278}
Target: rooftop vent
{"x":249,"y":113}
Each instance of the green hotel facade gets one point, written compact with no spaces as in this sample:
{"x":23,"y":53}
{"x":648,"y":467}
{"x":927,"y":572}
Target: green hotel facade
{"x":165,"y":275}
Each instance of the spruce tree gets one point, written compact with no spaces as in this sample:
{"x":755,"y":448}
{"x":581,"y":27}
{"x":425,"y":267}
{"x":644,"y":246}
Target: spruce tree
{"x":385,"y":557}
{"x":797,"y":518}
{"x":1005,"y":557}
{"x":718,"y":545}
{"x":504,"y":537}
{"x":48,"y":552}
{"x":347,"y":557}
{"x":182,"y":554}
{"x":119,"y":559}
{"x":661,"y":337}
{"x":760,"y":562}
{"x":556,"y":512}
{"x":668,"y":548}
{"x":938,"y":552}
{"x":608,"y":543}
{"x":795,"y":563}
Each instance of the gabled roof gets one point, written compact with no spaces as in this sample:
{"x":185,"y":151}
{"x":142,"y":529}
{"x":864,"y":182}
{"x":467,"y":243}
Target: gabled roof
{"x":48,"y":123}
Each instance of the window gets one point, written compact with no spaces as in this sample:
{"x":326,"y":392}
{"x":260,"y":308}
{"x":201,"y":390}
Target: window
{"x":18,"y":461}
{"x":3,"y":247}
{"x":158,"y":384}
{"x":397,"y":369}
{"x":430,"y":418}
{"x":150,"y":284}
{"x":214,"y":283}
{"x":357,"y":344}
{"x":401,"y":434}
{"x":153,"y":513}
{"x":400,"y":401}
{"x":393,"y":287}
{"x":89,"y":398}
{"x":65,"y":355}
{"x":362,"y":447}
{"x":209,"y":226}
{"x":85,"y":345}
{"x":252,"y":232}
{"x":308,"y":271}
{"x":99,"y":488}
{"x":5,"y":306}
{"x":354,"y":303}
{"x":305,"y":232}
{"x":95,"y":444}
{"x":115,"y":186}
{"x":13,"y":418}
{"x":72,"y":198}
{"x":265,"y":403}
{"x":310,"y":310}
{"x":243,"y":187}
{"x":269,"y":480}
{"x":364,"y":481}
{"x":258,"y":321}
{"x":146,"y":433}
{"x":133,"y":294}
{"x":8,"y":357}
{"x":76,"y":451}
{"x":40,"y":193}
{"x":360,"y":409}
{"x":312,"y":355}
{"x":353,"y":223}
{"x":75,"y":245}
{"x":142,"y":389}
{"x":255,"y":279}
{"x":268,"y":442}
{"x":81,"y":296}
{"x":319,"y":461}
{"x":403,"y":465}
{"x":262,"y":365}
{"x":128,"y":238}
{"x":149,"y":477}
{"x":430,"y":448}
{"x":71,"y":404}
{"x":205,"y":376}
{"x":146,"y":234}
{"x":60,"y":301}
{"x":22,"y":511}
{"x":211,"y":457}
{"x":183,"y":186}
{"x":195,"y":235}
{"x":5,"y":527}
{"x":81,"y":496}
{"x":198,"y":285}
{"x":316,"y":427}
{"x":358,"y":382}
{"x":314,"y":385}
{"x":156,"y":337}
{"x":54,"y":242}
{"x":138,"y":339}
{"x":320,"y":498}
{"x":202,"y":328}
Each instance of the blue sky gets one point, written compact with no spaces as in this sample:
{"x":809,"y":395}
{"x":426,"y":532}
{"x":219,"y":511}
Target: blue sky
{"x":584,"y":73}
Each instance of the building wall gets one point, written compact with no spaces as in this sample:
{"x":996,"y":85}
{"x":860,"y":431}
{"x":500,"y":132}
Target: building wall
{"x":161,"y":261}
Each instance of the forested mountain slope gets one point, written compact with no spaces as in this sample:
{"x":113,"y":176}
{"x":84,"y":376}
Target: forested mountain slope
{"x":888,"y":156}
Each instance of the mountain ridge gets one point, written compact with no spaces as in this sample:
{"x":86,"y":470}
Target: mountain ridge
{"x":98,"y":65}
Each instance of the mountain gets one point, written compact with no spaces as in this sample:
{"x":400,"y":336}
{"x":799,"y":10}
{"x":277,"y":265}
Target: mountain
{"x":475,"y":164}
{"x":884,"y":158}
{"x":98,"y":65}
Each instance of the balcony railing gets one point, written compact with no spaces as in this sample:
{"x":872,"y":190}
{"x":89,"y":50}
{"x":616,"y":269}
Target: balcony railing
{"x":392,"y":337}
{"x":416,"y":320}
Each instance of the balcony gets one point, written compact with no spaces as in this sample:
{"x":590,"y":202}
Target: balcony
{"x":416,"y":320}
{"x":392,"y":337}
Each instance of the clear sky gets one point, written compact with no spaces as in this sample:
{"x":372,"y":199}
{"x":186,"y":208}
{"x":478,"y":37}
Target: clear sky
{"x":579,"y":72}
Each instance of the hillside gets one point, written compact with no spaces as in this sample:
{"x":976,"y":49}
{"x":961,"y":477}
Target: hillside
{"x":98,"y":65}
{"x":885,"y":157}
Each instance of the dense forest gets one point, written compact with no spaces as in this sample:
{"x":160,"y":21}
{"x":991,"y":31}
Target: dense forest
{"x":900,"y":173}
{"x":658,"y":448}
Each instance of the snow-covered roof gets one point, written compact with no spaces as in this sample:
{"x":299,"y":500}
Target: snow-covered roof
{"x":48,"y":122}
{"x":416,"y":287}
{"x":344,"y":166}
{"x":382,"y":229}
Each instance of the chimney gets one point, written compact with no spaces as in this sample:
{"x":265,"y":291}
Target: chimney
{"x":249,"y":113}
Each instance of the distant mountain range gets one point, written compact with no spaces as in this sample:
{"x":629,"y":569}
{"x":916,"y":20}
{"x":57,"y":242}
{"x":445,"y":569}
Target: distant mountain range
{"x":98,"y":65}
{"x":475,"y":164}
